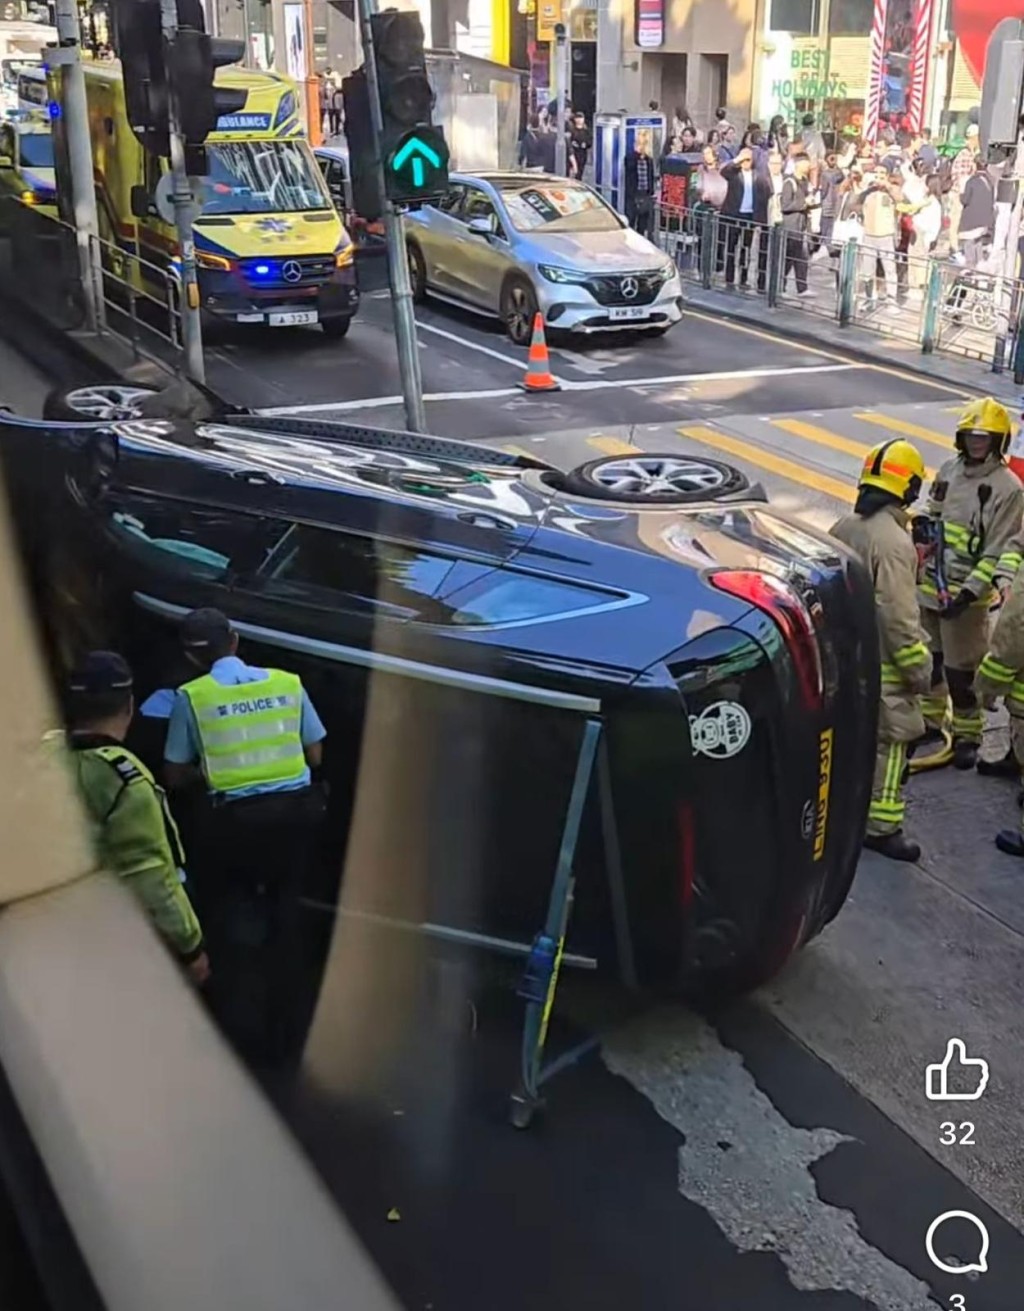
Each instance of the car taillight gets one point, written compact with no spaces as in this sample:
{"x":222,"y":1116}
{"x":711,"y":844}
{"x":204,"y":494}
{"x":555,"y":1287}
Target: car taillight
{"x":791,"y":617}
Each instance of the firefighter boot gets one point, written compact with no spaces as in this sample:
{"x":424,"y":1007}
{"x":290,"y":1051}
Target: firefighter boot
{"x":897,"y":846}
{"x":967,"y":721}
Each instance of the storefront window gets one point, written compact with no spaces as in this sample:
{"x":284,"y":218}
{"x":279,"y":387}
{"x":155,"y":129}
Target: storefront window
{"x":851,"y":17}
{"x":801,"y":16}
{"x":584,"y":25}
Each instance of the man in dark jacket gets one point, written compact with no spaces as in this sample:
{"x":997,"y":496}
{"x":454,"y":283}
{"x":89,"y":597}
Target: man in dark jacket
{"x":641,"y":183}
{"x":796,"y":203}
{"x":744,"y":211}
{"x":978,"y":217}
{"x":537,"y":149}
{"x":579,"y":145}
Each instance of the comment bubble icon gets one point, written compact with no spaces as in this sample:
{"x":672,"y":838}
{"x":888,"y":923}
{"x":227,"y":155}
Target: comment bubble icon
{"x":976,"y":1266}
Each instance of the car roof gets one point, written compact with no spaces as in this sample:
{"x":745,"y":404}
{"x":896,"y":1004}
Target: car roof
{"x":497,"y":178}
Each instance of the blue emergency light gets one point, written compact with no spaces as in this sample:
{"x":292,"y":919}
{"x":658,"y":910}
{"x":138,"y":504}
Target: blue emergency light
{"x":262,"y":270}
{"x":53,"y":109}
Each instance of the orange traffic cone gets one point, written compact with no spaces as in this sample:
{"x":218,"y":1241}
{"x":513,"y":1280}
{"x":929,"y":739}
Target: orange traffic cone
{"x":1016,"y":460}
{"x":538,"y":367}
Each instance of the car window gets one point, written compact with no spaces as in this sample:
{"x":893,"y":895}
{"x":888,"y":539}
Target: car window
{"x":478,"y":205}
{"x":325,"y":568}
{"x":503,"y":597}
{"x":183,"y":540}
{"x":451,"y":200}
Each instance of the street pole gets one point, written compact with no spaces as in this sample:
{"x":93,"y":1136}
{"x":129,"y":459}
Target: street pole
{"x":398,"y":263}
{"x":561,"y":89}
{"x":184,"y":206}
{"x":314,"y":117}
{"x":83,"y":188}
{"x":1008,"y":231}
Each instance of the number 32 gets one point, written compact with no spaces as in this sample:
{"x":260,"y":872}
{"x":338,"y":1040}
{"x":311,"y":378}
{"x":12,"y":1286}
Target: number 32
{"x":950,"y":1132}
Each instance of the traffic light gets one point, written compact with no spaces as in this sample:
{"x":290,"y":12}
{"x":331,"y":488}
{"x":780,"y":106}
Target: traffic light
{"x":189,"y":65}
{"x":362,"y":153}
{"x":413,"y":150}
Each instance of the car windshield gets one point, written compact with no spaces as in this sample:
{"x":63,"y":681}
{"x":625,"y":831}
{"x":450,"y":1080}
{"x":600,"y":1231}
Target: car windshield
{"x":262,"y":177}
{"x":10,"y":68}
{"x":35,"y":150}
{"x":561,"y":208}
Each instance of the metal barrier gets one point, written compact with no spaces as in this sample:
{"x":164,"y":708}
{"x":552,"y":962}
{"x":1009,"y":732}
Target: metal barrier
{"x":939,"y":305}
{"x":43,"y":269}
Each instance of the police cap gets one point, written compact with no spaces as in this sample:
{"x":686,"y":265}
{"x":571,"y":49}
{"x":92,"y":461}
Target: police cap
{"x":206,"y":630}
{"x":98,"y":673}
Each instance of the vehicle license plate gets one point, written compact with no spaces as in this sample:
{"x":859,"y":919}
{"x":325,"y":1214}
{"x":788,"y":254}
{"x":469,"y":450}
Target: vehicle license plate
{"x":292,"y":316}
{"x":627,"y":312}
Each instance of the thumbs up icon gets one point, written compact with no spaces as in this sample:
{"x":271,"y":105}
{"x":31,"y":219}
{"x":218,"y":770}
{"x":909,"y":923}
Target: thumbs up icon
{"x":968,"y":1072}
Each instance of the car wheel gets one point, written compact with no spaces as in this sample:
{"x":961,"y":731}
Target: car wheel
{"x":417,"y":273}
{"x":518,"y":308}
{"x":646,"y":478}
{"x":335,"y":329}
{"x":101,"y":401}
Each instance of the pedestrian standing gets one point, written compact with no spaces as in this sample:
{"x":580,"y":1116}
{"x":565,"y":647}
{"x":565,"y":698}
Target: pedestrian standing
{"x":974,"y":510}
{"x":727,"y":144}
{"x":136,"y":836}
{"x":253,"y":737}
{"x":579,"y":145}
{"x":877,"y":532}
{"x":961,"y":169}
{"x":927,"y":222}
{"x":336,"y":110}
{"x":745,"y":210}
{"x":774,"y":217}
{"x":812,"y":143}
{"x":796,"y":204}
{"x":640,"y":182}
{"x":778,"y":136}
{"x":876,"y":206}
{"x":977,"y":214}
{"x":537,"y":149}
{"x":1001,"y":674}
{"x":829,"y":182}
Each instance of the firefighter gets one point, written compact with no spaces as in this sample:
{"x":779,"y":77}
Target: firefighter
{"x":974,"y":517}
{"x":878,"y":532}
{"x":1001,"y":673}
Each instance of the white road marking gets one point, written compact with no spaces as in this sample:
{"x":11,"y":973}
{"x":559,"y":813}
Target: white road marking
{"x":748,"y":1167}
{"x":590,"y":384}
{"x":473,"y":345}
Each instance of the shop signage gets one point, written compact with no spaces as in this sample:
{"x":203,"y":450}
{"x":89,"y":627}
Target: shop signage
{"x":650,"y":23}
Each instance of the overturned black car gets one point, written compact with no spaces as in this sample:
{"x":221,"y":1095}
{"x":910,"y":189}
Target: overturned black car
{"x":458,"y":615}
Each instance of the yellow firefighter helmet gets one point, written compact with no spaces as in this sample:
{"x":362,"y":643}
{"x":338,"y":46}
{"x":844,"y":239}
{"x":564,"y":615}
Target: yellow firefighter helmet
{"x":985,"y":416}
{"x":895,"y":467}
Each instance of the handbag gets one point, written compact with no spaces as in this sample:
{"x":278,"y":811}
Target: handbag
{"x":847,"y":229}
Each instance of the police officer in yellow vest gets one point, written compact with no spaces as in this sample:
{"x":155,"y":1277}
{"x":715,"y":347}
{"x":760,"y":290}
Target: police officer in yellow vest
{"x":974,"y":512}
{"x":253,"y":736}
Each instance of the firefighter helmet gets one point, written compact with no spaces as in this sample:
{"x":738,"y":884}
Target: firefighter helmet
{"x":895,"y":467}
{"x":985,"y":417}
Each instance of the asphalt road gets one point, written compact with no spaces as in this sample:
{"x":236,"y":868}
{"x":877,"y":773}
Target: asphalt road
{"x":776,"y":1156}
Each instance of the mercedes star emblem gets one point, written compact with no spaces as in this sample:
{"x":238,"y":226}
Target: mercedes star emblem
{"x":291,"y":270}
{"x":630,"y":287}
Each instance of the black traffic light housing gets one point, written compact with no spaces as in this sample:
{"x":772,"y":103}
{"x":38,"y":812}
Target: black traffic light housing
{"x":362,"y":154}
{"x":190,"y":66}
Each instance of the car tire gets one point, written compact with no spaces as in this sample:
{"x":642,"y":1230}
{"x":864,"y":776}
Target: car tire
{"x":518,"y":308}
{"x":102,"y":401}
{"x":335,"y":329}
{"x":670,"y":479}
{"x":417,"y":273}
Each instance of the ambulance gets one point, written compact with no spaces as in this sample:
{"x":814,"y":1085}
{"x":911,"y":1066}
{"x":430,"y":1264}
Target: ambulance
{"x":26,"y":162}
{"x":270,"y":246}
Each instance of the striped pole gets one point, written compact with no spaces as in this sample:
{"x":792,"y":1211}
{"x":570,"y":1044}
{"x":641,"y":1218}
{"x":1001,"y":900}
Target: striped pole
{"x":919,"y":64}
{"x":873,"y":107}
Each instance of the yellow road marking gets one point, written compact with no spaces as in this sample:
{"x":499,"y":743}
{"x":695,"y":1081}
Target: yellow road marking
{"x":613,"y":446}
{"x":819,"y":482}
{"x":908,"y":429}
{"x":812,"y":433}
{"x":906,"y":374}
{"x":519,"y":450}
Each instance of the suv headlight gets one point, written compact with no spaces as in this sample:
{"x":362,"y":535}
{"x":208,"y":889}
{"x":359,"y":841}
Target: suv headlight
{"x":667,"y":270}
{"x":555,"y":274}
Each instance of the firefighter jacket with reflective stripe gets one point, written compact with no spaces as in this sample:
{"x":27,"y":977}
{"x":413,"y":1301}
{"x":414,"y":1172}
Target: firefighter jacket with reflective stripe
{"x":136,"y":836}
{"x":249,"y":733}
{"x":1001,"y":672}
{"x":979,"y":507}
{"x":883,"y":543}
{"x":1010,"y":560}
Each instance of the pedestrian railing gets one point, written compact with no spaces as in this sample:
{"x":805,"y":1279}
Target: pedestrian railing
{"x":939,"y":305}
{"x":129,"y":296}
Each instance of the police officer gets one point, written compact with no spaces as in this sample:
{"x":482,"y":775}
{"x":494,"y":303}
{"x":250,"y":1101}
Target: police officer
{"x":253,"y":736}
{"x":1001,"y":673}
{"x":878,"y":532}
{"x":975,"y":510}
{"x":136,"y":836}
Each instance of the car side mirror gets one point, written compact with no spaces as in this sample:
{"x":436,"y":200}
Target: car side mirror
{"x":481,"y":227}
{"x":141,"y":206}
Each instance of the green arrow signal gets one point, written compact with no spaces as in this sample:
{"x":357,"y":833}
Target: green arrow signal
{"x":412,"y":151}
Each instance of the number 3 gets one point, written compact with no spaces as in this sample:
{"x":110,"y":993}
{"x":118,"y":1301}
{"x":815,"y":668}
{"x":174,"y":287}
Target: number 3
{"x":950,"y":1139}
{"x":957,"y":1301}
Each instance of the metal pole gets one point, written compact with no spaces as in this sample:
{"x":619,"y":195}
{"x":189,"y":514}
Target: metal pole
{"x":83,"y":188}
{"x":314,"y":117}
{"x":561,"y":87}
{"x":398,"y":265}
{"x":1005,"y":294}
{"x":191,"y":327}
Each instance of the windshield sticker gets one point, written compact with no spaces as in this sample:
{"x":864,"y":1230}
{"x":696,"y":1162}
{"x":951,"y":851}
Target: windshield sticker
{"x":720,"y":730}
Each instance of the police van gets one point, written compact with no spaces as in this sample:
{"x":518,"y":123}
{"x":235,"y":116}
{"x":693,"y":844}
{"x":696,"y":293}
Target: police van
{"x":270,"y":245}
